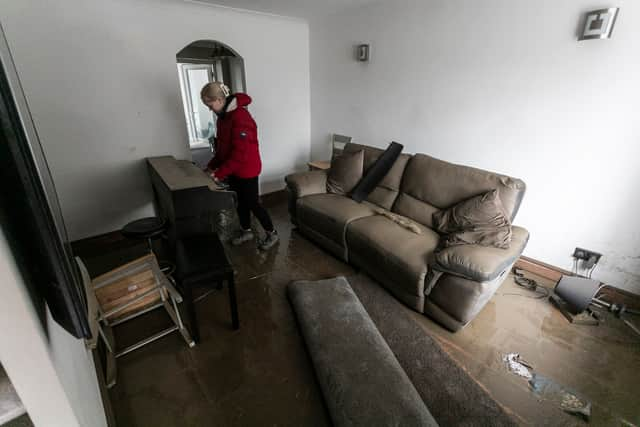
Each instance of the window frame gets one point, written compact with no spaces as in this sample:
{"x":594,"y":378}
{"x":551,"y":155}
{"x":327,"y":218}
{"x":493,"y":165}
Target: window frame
{"x":188,"y":101}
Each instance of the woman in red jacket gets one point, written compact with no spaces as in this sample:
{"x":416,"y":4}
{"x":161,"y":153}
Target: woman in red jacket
{"x":237,"y":158}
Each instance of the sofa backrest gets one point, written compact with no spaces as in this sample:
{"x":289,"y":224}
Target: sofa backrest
{"x":429,"y":184}
{"x":384,"y":195}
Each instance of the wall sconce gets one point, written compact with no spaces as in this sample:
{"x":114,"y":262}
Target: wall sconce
{"x":599,"y":24}
{"x":363,"y":52}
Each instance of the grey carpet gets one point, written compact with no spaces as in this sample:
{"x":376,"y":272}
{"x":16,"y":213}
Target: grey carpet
{"x":452,"y":396}
{"x":362,"y":382}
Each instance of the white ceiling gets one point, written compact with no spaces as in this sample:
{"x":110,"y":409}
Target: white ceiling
{"x":297,"y":8}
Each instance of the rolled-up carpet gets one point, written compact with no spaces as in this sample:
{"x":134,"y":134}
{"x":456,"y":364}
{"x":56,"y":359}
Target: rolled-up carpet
{"x":362,"y":382}
{"x":376,"y":172}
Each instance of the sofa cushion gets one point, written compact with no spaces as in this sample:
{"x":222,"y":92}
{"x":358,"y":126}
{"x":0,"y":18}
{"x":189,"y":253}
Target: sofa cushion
{"x":387,"y":189}
{"x":403,"y":221}
{"x":414,"y":208}
{"x":345,"y":172}
{"x":329,"y":214}
{"x":430,"y":184}
{"x":379,"y":244}
{"x":480,"y":263}
{"x":480,"y":220}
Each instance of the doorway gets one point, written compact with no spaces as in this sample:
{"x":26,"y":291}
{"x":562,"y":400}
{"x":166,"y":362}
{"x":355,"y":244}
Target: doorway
{"x":199,"y":63}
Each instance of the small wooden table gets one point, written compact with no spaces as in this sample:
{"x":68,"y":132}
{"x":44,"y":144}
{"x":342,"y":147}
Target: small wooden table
{"x":319,"y":165}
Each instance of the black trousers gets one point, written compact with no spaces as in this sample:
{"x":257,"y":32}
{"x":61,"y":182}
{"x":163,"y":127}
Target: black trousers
{"x":249,"y":201}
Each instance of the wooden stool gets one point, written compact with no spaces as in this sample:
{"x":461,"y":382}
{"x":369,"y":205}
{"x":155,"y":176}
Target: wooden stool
{"x":202,"y":261}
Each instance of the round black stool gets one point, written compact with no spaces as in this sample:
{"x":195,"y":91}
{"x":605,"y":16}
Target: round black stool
{"x":145,"y":228}
{"x":148,"y":229}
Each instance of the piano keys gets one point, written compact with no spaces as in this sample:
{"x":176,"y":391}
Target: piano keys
{"x":188,"y":199}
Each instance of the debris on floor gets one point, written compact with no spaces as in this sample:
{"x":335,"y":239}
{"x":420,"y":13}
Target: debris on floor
{"x":517,"y":365}
{"x":547,"y":389}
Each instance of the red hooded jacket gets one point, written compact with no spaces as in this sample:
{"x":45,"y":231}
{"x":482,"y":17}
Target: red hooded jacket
{"x":237,"y":151}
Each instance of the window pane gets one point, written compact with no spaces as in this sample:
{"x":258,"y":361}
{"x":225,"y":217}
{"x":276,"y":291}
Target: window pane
{"x":202,"y":117}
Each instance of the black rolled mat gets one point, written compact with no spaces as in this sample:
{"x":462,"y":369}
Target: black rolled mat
{"x":376,"y":172}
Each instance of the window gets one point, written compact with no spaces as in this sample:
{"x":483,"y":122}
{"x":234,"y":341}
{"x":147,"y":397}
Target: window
{"x":200,"y":62}
{"x":201,"y":122}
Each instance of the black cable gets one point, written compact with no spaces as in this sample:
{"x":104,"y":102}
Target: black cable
{"x":587,"y":271}
{"x":530,"y":285}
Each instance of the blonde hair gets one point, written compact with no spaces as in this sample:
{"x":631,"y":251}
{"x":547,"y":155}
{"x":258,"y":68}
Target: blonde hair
{"x":215,"y":90}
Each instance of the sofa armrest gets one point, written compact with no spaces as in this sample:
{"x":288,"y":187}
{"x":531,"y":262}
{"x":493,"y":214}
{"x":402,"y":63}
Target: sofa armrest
{"x":307,"y":183}
{"x":480,"y":263}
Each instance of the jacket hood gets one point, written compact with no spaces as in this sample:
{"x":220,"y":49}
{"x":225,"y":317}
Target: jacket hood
{"x":234,"y":101}
{"x":242,"y":99}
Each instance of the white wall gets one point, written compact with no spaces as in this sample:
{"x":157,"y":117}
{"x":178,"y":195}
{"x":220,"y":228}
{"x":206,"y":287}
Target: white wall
{"x":77,"y":374}
{"x":101,"y":81}
{"x":53,"y":374}
{"x":501,"y":85}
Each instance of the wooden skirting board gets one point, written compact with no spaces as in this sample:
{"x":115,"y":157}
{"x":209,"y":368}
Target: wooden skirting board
{"x":553,"y":273}
{"x":541,"y":269}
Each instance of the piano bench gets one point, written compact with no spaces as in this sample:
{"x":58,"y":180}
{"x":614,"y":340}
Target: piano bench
{"x":202,"y":261}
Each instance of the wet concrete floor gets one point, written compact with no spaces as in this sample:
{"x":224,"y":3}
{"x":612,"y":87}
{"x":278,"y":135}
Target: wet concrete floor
{"x":261,"y":375}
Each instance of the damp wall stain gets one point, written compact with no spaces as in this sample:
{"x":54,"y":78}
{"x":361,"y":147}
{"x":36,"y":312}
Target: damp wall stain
{"x":620,"y":270}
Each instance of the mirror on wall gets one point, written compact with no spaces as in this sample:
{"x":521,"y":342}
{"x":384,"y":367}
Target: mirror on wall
{"x":198,"y":63}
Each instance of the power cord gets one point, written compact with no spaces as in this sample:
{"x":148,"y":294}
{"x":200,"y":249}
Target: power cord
{"x":530,"y":285}
{"x":588,"y":267}
{"x":618,"y":310}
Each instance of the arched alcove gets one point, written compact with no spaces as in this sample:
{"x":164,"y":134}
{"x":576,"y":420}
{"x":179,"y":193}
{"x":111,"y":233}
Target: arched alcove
{"x":200,"y":62}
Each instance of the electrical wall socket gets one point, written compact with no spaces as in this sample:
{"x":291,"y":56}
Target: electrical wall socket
{"x":586,"y":254}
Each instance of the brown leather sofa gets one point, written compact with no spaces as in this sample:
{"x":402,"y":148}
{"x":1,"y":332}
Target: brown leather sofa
{"x":451,"y":285}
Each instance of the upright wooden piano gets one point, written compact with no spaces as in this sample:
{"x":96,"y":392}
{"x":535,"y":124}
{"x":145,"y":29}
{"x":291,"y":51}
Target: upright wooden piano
{"x":186,"y":197}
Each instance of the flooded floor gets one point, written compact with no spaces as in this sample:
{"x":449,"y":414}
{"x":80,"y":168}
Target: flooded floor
{"x":261,"y":375}
{"x":598,"y":363}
